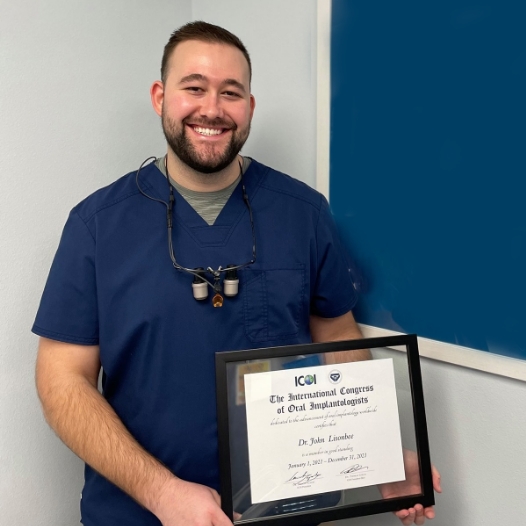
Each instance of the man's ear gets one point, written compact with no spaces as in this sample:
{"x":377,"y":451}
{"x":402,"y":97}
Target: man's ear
{"x":252,"y":105}
{"x":157,"y":96}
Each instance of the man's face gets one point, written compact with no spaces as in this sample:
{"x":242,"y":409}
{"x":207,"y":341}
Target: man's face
{"x":207,"y":106}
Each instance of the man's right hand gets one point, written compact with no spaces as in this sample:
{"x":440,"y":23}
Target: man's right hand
{"x":184,"y":503}
{"x":67,"y":385}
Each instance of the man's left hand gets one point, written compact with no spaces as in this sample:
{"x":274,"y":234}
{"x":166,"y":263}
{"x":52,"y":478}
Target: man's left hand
{"x":411,"y":486}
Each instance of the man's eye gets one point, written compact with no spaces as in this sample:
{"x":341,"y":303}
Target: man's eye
{"x":194,"y":89}
{"x":231,"y":94}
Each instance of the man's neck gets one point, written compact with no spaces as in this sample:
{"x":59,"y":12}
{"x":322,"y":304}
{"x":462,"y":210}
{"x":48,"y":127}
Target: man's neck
{"x":198,"y":181}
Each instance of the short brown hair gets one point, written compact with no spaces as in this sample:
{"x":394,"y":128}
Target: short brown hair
{"x":204,"y":32}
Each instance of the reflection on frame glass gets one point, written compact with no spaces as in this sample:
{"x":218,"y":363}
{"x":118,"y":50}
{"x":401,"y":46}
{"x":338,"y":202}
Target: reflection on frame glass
{"x":311,"y":433}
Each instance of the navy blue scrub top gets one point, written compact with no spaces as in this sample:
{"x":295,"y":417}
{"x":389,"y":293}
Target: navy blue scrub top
{"x":112,"y":284}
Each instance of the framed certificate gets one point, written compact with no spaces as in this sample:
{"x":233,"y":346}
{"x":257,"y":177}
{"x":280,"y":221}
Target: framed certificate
{"x":320,"y":432}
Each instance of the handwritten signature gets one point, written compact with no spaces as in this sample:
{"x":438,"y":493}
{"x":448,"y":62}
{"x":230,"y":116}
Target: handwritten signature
{"x":304,"y":478}
{"x":353,"y":469}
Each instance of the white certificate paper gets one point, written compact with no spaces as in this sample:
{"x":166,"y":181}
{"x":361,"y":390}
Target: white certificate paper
{"x":323,"y":428}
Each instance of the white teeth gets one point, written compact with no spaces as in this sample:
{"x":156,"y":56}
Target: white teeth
{"x":207,"y":131}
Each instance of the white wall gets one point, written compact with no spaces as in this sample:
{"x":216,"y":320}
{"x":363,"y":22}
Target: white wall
{"x":74,"y":115}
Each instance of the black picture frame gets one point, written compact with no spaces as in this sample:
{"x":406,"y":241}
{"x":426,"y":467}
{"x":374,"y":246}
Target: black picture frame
{"x":325,"y":512}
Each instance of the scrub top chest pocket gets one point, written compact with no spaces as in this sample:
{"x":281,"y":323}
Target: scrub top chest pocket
{"x":274,"y":302}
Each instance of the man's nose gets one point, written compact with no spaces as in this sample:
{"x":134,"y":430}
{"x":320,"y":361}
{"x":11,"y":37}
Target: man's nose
{"x":211,"y":107}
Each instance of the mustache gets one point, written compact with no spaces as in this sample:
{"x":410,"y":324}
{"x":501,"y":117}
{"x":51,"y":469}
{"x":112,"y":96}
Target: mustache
{"x":220,"y":123}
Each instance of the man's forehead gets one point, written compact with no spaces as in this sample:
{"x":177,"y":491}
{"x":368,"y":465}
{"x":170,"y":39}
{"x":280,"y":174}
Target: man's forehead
{"x":196,"y":57}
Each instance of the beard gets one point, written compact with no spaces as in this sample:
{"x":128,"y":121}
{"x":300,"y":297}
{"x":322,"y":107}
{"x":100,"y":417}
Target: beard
{"x":209,"y":160}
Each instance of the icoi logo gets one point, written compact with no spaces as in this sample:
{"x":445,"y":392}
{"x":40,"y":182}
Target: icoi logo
{"x":308,"y":379}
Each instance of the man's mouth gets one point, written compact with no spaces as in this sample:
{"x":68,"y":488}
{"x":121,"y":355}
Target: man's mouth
{"x":208,"y":132}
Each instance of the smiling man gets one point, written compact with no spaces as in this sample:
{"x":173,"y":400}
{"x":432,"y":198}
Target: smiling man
{"x":206,"y":108}
{"x":122,"y":298}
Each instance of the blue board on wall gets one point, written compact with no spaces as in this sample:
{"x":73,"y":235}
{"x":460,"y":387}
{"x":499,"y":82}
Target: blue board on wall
{"x":428,"y":165}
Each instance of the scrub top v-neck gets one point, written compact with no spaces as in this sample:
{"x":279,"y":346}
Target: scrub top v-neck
{"x":112,"y":284}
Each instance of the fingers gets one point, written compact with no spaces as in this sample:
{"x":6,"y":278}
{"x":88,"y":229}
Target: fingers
{"x":406,"y":516}
{"x":429,"y":512}
{"x":221,"y":520}
{"x":416,"y":515}
{"x":436,"y":479}
{"x":216,"y":496}
{"x":419,"y":514}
